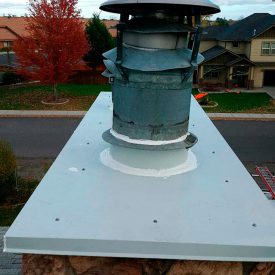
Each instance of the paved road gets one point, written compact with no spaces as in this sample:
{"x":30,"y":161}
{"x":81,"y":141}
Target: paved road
{"x":43,"y":137}
{"x":37,"y":137}
{"x":251,"y":140}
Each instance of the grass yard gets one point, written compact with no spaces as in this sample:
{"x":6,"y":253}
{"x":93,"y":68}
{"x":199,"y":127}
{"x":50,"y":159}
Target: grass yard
{"x":242,"y":103}
{"x":29,"y":98}
{"x":82,"y":96}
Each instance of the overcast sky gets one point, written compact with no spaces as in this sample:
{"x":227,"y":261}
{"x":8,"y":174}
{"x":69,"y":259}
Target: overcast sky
{"x":231,"y":9}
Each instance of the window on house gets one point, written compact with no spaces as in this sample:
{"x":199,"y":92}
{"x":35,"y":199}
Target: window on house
{"x":235,"y":44}
{"x":273,"y":48}
{"x":212,"y":72}
{"x":214,"y":75}
{"x":7,"y":44}
{"x":268,"y":48}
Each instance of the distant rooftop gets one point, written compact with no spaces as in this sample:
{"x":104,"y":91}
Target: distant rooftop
{"x":243,"y":30}
{"x":12,"y":27}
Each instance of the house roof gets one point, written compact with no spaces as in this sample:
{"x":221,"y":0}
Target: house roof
{"x":111,"y":26}
{"x":6,"y":34}
{"x":243,"y":30}
{"x":218,"y":50}
{"x":12,"y":26}
{"x":265,"y":64}
{"x":213,"y":52}
{"x":212,"y":32}
{"x":16,"y":24}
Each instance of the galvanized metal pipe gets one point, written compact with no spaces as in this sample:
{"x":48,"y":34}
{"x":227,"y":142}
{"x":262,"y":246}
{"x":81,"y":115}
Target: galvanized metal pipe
{"x":152,"y":69}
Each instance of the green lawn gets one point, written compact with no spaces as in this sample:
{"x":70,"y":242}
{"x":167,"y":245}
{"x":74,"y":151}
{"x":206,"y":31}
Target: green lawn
{"x":83,"y":90}
{"x":29,"y":98}
{"x":243,"y":102}
{"x":70,"y":89}
{"x":82,"y":96}
{"x":240,"y":103}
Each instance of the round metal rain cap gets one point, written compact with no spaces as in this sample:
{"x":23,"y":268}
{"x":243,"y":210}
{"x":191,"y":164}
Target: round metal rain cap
{"x":182,"y":7}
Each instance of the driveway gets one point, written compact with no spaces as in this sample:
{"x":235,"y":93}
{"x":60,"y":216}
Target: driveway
{"x":270,"y":90}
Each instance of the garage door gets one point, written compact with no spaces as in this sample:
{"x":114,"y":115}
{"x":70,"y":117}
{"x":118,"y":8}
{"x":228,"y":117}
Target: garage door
{"x":269,"y":78}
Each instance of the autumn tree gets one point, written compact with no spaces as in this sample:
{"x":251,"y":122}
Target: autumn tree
{"x":205,"y":20}
{"x":55,"y":44}
{"x":100,"y":41}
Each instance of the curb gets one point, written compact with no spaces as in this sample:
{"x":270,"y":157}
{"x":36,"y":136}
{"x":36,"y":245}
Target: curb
{"x":241,"y":119}
{"x":41,"y":114}
{"x":241,"y":116}
{"x":80,"y":114}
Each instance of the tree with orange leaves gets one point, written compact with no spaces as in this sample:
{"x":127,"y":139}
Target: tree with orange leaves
{"x":55,"y":44}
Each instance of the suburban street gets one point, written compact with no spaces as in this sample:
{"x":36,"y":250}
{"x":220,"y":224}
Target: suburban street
{"x":37,"y":137}
{"x":252,"y":141}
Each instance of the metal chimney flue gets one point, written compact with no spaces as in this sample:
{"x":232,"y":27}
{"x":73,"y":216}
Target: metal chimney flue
{"x":151,"y":71}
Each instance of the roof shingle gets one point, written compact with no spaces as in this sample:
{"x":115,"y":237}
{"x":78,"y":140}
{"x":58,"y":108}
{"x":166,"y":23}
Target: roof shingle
{"x":213,"y":52}
{"x":18,"y":24}
{"x":243,"y":30}
{"x":6,"y":34}
{"x":218,"y":50}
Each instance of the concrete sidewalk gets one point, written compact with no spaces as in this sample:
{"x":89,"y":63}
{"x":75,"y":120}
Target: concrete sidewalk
{"x":240,"y":116}
{"x":10,"y":264}
{"x":80,"y":114}
{"x":33,"y":113}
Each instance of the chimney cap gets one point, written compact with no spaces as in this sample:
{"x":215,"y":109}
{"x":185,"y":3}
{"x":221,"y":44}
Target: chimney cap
{"x":181,"y":7}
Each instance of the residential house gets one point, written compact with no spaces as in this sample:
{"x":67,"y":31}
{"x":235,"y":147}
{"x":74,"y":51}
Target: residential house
{"x":239,"y":55}
{"x":13,"y":27}
{"x":10,"y":29}
{"x":7,"y":37}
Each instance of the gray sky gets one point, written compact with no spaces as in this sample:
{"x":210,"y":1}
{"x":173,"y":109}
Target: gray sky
{"x":231,"y":9}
